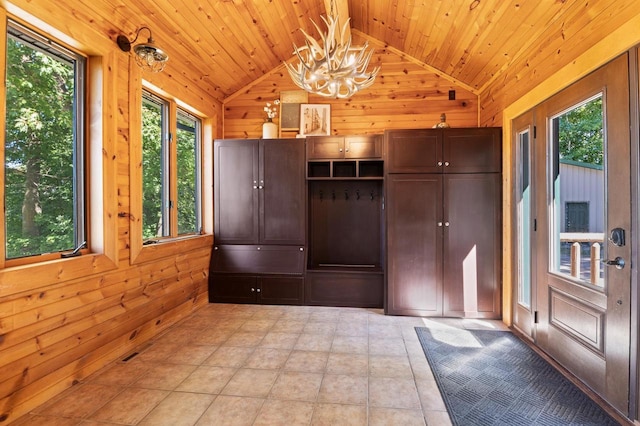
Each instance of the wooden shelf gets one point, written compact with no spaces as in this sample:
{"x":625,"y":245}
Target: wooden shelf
{"x":345,"y":169}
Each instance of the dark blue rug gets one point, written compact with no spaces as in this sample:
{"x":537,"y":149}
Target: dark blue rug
{"x":493,"y":378}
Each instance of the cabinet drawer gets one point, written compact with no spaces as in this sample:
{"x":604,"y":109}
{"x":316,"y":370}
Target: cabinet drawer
{"x":250,"y":259}
{"x":355,"y":289}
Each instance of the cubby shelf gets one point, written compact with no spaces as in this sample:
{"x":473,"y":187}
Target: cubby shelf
{"x":345,"y":169}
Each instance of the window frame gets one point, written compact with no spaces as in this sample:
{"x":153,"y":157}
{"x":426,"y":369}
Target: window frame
{"x":49,"y":46}
{"x":165,"y":246}
{"x":101,"y":252}
{"x":169,"y":171}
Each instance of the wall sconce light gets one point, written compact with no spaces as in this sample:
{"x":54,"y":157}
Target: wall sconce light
{"x":148,"y":56}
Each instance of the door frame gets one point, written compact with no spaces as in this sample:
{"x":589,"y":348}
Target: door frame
{"x":634,"y":105}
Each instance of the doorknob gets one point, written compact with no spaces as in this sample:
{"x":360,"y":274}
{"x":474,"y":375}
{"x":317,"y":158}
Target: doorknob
{"x":618,"y":262}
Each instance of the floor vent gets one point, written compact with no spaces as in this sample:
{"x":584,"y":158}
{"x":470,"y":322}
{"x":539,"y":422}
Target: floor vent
{"x":130,"y":356}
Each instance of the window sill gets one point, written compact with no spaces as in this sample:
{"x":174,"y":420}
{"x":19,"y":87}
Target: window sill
{"x":168,"y":247}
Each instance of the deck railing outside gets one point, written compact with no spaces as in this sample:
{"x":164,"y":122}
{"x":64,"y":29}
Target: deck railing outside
{"x":595,"y":240}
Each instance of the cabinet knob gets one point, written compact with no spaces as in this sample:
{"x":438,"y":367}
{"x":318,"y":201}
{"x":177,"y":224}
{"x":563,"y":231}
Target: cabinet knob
{"x":346,"y":150}
{"x":446,"y":224}
{"x":340,"y":150}
{"x":258,"y":290}
{"x":439,"y":223}
{"x":301,"y":248}
{"x":253,"y":289}
{"x":439,"y":163}
{"x":446,"y":164}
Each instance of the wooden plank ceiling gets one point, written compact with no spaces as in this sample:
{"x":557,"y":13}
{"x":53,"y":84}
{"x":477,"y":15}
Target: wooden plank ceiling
{"x":230,"y":43}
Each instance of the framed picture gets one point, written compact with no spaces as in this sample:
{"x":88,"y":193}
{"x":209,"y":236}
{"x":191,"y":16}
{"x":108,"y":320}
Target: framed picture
{"x":315,"y":119}
{"x":289,"y":117}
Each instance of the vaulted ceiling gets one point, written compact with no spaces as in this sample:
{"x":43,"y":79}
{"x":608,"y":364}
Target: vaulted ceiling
{"x":230,"y":43}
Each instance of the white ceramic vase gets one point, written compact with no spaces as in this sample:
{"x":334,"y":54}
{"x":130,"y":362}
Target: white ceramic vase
{"x":269,"y":130}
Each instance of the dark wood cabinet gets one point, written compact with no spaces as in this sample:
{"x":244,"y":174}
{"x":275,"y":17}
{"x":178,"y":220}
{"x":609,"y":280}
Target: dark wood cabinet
{"x":414,"y":244}
{"x":344,"y":288}
{"x":345,"y":184}
{"x":475,"y":150}
{"x":472,"y":245}
{"x":267,"y":290}
{"x":260,"y":221}
{"x":271,"y":274}
{"x":344,"y":157}
{"x":236,"y":164}
{"x":472,"y":150}
{"x":259,"y":191}
{"x":338,"y":147}
{"x":413,"y":151}
{"x":444,"y":223}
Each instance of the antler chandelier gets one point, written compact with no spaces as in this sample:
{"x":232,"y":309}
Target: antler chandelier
{"x":332,"y":67}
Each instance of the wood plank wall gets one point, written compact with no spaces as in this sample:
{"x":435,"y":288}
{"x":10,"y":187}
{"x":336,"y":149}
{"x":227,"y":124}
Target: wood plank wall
{"x":55,"y":331}
{"x":405,"y":95}
{"x":563,"y":44}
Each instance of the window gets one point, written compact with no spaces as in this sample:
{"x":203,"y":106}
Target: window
{"x":44,"y":191}
{"x":171,"y":175}
{"x":188,"y":142}
{"x":524,"y":206}
{"x":577,"y":137}
{"x":576,"y":216}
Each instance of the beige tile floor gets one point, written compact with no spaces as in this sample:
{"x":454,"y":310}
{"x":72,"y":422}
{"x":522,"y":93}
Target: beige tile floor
{"x":266,"y":365}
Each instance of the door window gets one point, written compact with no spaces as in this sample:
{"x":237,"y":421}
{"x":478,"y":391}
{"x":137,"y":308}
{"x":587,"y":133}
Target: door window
{"x":524,"y":219}
{"x":577,"y":192}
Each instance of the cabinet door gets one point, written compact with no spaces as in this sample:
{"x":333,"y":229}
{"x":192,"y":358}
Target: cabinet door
{"x":236,"y":191}
{"x":366,"y":146}
{"x":414,"y":245}
{"x":233,"y":289}
{"x":472,"y":245}
{"x":325,"y":147}
{"x":281,"y":290}
{"x":282,"y":193}
{"x":476,"y":150}
{"x":413,"y":151}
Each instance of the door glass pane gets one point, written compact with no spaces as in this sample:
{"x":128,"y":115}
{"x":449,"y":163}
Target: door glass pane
{"x":524,"y":220}
{"x":577,"y":189}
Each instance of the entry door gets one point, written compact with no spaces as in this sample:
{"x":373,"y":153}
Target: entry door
{"x":583,"y":287}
